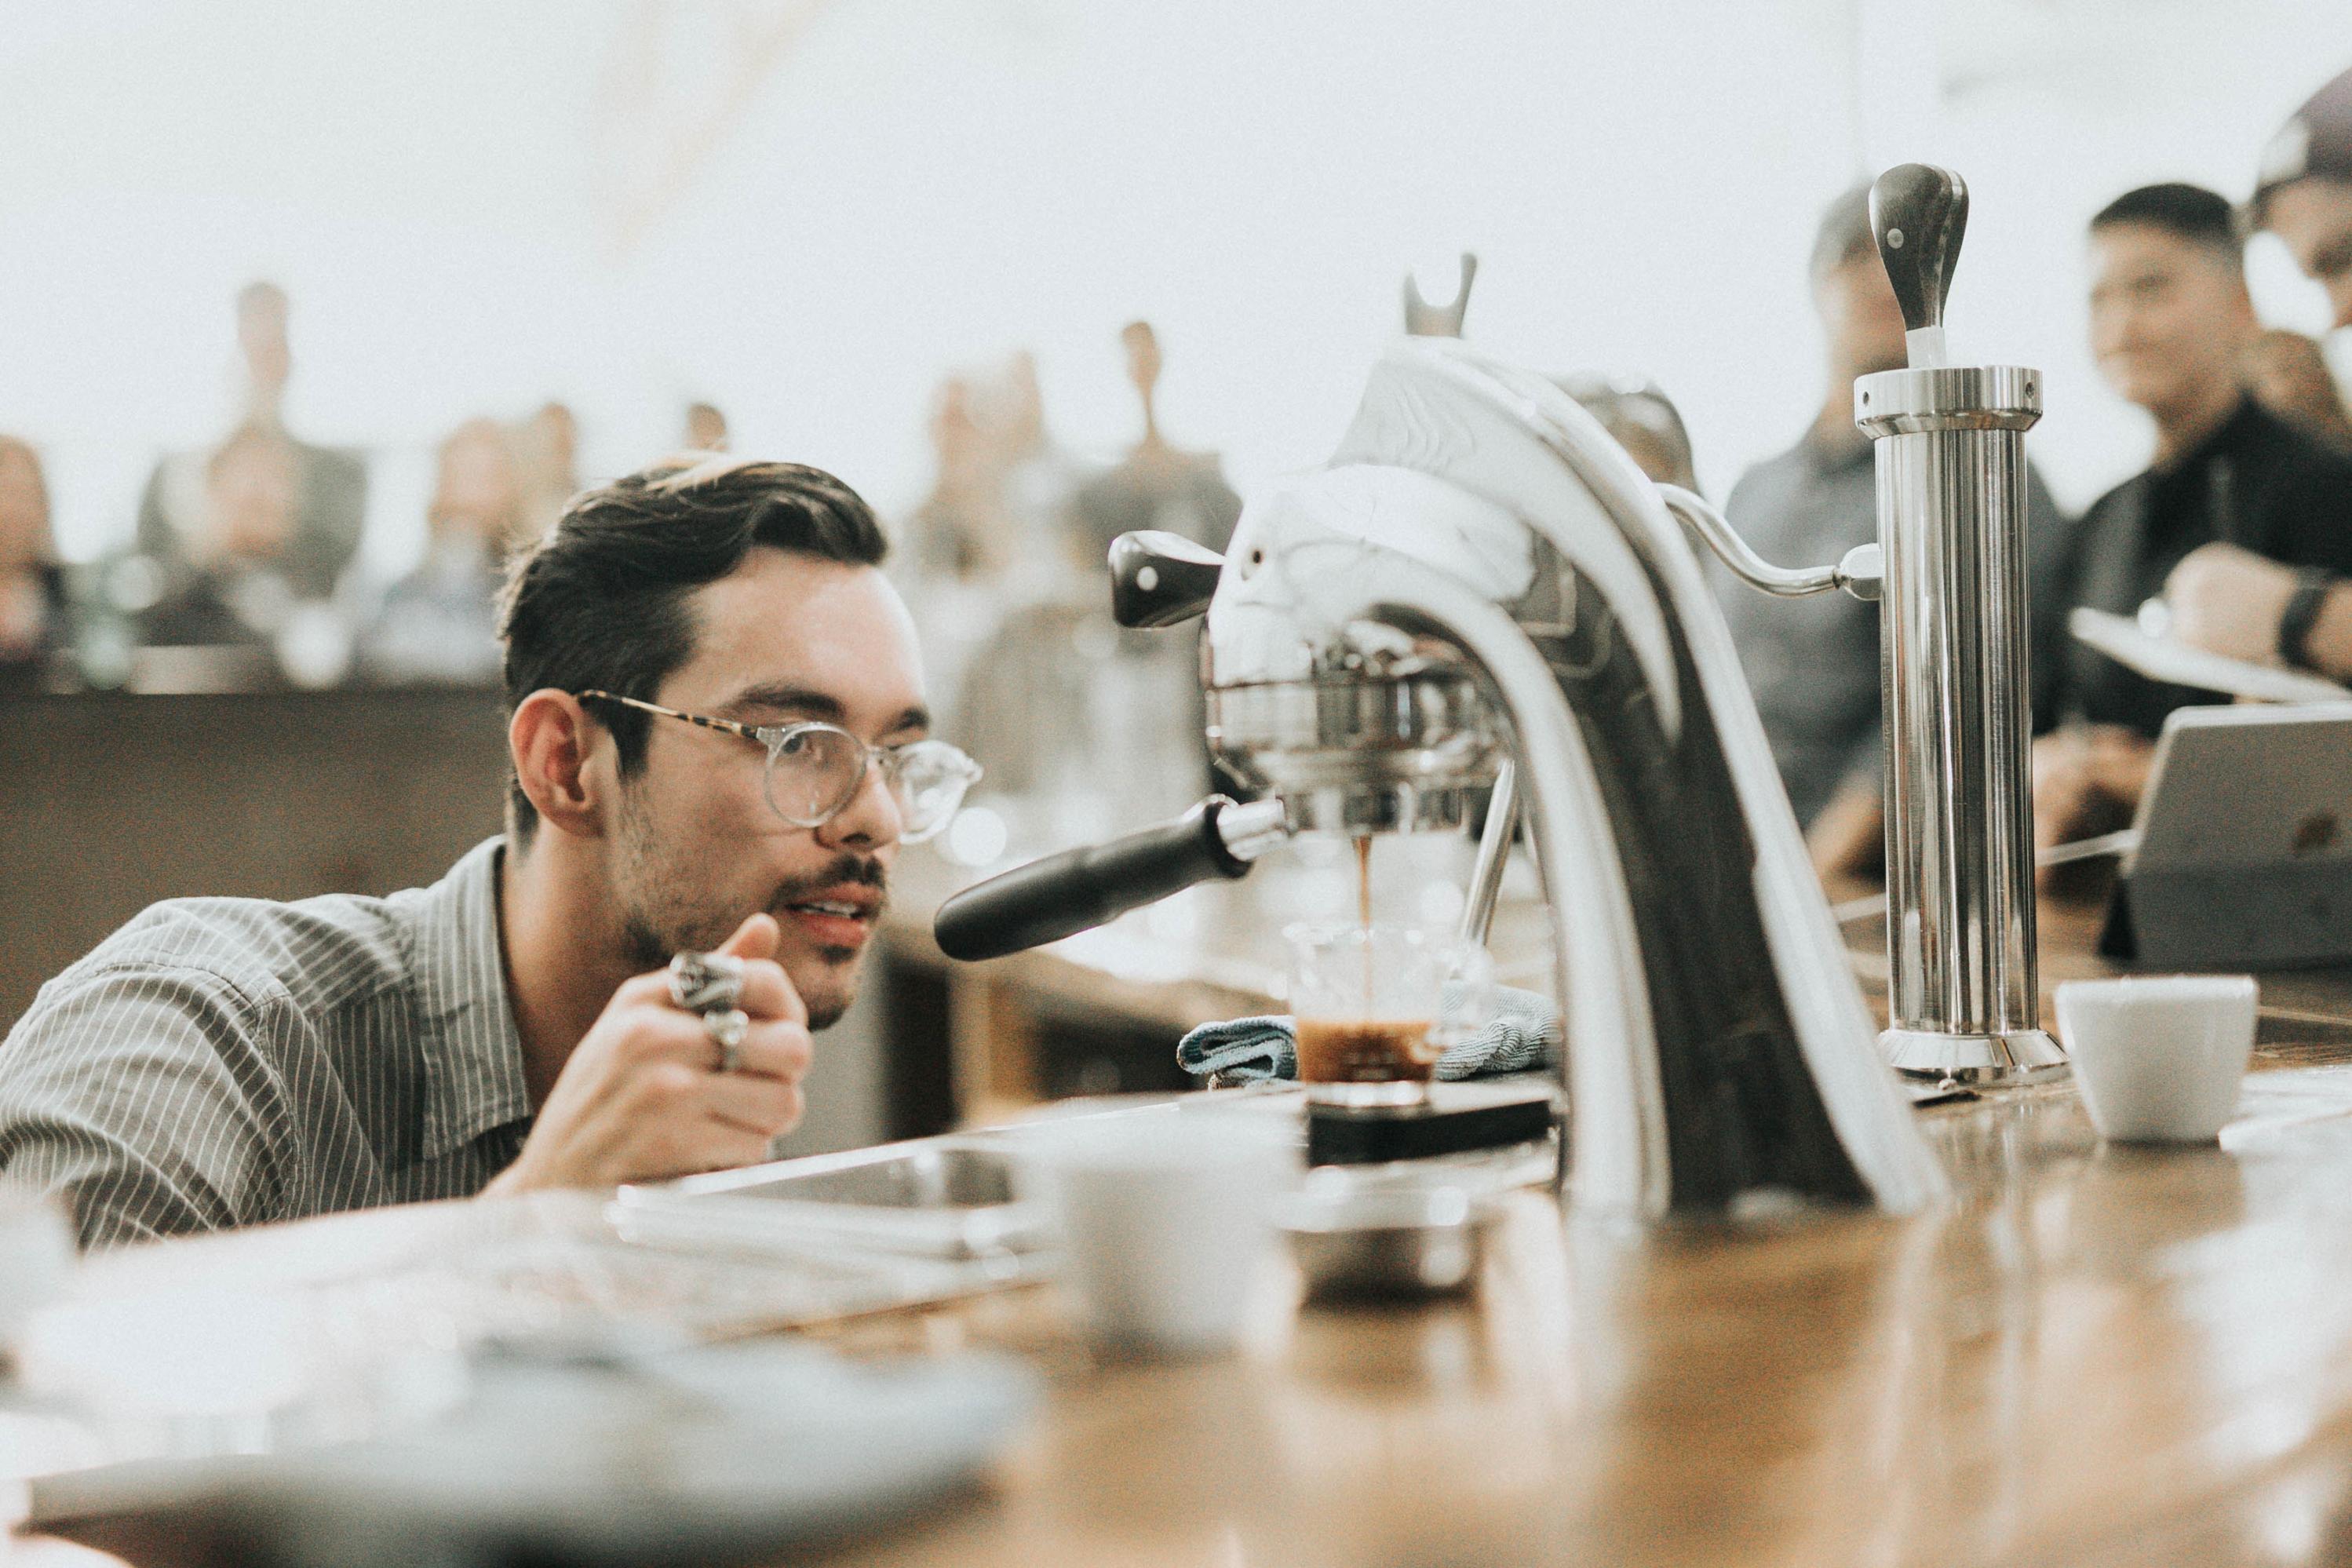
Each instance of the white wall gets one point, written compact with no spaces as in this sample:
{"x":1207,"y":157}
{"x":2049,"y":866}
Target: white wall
{"x":920,"y":184}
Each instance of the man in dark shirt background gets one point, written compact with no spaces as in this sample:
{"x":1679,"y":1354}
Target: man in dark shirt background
{"x":2170,"y":324}
{"x":1813,"y":663}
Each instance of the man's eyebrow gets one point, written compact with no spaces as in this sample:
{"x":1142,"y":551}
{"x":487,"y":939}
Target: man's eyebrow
{"x":783,"y":697}
{"x":788,"y":698}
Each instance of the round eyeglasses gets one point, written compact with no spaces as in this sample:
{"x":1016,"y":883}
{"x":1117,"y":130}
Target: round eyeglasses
{"x":815,"y":770}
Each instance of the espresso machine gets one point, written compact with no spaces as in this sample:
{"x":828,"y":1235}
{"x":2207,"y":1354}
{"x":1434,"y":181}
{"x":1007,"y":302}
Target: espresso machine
{"x":1481,"y":584}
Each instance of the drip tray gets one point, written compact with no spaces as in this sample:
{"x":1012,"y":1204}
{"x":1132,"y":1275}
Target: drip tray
{"x":1458,"y":1118}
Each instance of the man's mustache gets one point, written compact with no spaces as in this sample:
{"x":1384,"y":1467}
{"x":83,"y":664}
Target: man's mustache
{"x":859,"y":869}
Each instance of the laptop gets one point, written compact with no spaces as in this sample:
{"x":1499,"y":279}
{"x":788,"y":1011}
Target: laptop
{"x":2243,"y":857}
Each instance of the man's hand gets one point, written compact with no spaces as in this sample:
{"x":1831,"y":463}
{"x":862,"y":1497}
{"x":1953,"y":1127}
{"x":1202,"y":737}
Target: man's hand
{"x":2088,"y":780}
{"x":1848,"y":836}
{"x":2229,"y":601}
{"x":642,"y":1097}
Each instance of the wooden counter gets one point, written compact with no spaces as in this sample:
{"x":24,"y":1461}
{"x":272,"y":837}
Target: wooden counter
{"x":2093,"y":1355}
{"x":2096,"y":1355}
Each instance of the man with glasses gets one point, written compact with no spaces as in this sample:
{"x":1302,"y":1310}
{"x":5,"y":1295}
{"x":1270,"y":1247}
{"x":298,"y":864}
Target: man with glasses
{"x":718,"y":742}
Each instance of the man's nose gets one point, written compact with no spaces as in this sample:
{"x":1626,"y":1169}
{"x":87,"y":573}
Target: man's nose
{"x":869,"y":821}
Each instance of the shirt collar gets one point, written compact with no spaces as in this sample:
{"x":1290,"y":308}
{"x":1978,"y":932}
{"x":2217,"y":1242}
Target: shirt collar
{"x":472,"y":1051}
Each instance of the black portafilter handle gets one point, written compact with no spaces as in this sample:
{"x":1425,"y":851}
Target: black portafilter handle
{"x":1918,"y":213}
{"x":1159,"y":578}
{"x":1078,"y":889}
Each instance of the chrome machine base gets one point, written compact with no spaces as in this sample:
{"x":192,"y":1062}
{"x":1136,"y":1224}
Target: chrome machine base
{"x":2018,"y":1056}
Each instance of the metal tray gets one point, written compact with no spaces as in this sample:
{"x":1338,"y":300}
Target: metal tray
{"x":950,"y":1197}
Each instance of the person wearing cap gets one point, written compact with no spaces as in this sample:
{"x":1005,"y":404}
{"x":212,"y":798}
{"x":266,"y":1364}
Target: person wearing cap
{"x":2246,"y":603}
{"x":1813,"y":663}
{"x":2171,"y":321}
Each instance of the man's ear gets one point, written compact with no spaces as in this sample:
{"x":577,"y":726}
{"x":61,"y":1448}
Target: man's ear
{"x":562,"y":761}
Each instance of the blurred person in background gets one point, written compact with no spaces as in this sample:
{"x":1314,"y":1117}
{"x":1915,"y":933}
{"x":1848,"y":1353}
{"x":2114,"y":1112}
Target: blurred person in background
{"x":439,"y":624}
{"x":1813,"y":663}
{"x":2304,"y":192}
{"x":705,"y":428}
{"x":1130,"y":747}
{"x":2240,"y":602}
{"x":1157,"y":484}
{"x":232,"y":583}
{"x":1038,"y":479}
{"x":34,"y":615}
{"x":2171,"y":327}
{"x":996,"y":580}
{"x":1639,"y":418}
{"x":964,"y":529}
{"x":2287,"y":373}
{"x":262,"y":521}
{"x":547,"y":461}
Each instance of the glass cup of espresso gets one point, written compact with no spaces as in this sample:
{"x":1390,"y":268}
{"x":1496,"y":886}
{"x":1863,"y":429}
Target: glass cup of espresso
{"x":1376,"y":1005}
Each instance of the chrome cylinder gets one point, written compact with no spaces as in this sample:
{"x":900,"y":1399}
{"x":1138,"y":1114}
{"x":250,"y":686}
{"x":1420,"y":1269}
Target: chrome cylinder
{"x":1963,"y":997}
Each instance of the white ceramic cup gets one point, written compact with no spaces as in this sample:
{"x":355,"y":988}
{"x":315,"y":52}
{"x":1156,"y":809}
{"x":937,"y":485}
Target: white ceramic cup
{"x":2159,"y":1057}
{"x":1165,"y":1218}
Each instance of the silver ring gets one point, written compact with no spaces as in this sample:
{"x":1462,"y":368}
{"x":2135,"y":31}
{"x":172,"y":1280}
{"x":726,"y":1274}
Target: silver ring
{"x":706,"y":981}
{"x":727,"y":1029}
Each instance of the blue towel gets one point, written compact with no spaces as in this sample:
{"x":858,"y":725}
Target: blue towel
{"x":1524,"y":1033}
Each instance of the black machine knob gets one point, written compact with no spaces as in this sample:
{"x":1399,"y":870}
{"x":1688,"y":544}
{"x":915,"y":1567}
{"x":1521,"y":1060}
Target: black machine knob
{"x":1158,"y":579}
{"x":1918,"y":213}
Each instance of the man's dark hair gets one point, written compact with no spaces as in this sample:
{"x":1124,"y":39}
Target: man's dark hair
{"x":2189,"y":213}
{"x":601,"y":601}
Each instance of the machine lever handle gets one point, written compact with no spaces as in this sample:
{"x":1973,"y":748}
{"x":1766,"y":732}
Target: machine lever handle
{"x":1158,"y":579}
{"x":1918,"y":213}
{"x":1078,"y":889}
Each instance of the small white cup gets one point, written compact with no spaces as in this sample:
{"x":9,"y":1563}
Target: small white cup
{"x":1167,"y":1219}
{"x":2159,"y":1057}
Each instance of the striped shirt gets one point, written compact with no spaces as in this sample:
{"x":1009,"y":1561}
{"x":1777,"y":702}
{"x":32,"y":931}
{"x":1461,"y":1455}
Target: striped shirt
{"x":225,"y":1061}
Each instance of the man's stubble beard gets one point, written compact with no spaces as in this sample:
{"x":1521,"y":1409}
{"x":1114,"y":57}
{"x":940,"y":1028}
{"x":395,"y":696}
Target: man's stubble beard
{"x":659,"y":917}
